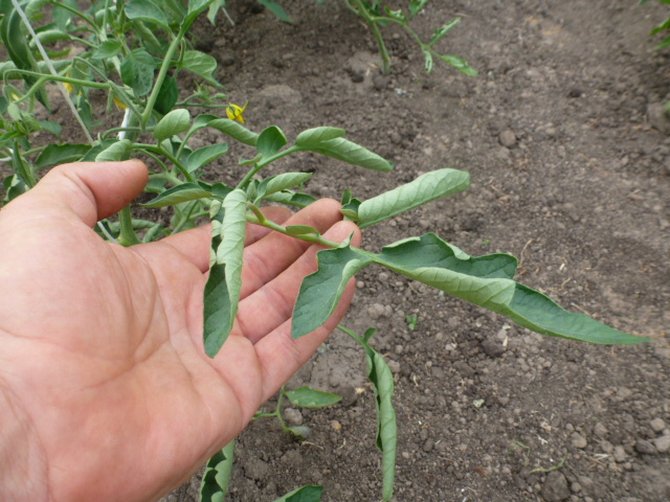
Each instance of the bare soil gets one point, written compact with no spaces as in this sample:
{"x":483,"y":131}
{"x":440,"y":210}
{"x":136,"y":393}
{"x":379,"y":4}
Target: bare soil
{"x":570,"y":166}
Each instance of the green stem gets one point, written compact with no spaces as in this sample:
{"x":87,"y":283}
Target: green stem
{"x":76,"y":12}
{"x":314,"y":238}
{"x":161,"y":151}
{"x":127,"y":236}
{"x":264,"y":163}
{"x":185,"y":219}
{"x":371,"y":21}
{"x":162,"y":73}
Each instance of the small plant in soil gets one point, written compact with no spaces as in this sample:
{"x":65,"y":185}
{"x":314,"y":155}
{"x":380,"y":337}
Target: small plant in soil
{"x":378,"y":14}
{"x":124,"y":61}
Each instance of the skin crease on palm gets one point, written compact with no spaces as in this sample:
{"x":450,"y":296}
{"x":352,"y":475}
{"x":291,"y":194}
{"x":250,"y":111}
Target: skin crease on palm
{"x":105,"y":390}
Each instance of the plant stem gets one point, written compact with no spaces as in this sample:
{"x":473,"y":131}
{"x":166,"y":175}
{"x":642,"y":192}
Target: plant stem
{"x":264,"y":163}
{"x":371,"y":21}
{"x":52,"y":70}
{"x":314,"y":238}
{"x":127,"y":236}
{"x":162,"y":73}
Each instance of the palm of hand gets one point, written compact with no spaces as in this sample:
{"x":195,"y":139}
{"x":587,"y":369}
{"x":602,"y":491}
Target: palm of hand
{"x":100,"y":346}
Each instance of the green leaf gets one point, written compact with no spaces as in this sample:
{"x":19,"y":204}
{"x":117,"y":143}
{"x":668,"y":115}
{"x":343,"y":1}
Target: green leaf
{"x":440,"y":33}
{"x":180,"y":193}
{"x":313,"y":138}
{"x":301,"y":230}
{"x":428,"y":60}
{"x":348,"y":151}
{"x":216,"y":478}
{"x":106,"y":50}
{"x":282,"y":182}
{"x":198,"y":5}
{"x":60,"y":154}
{"x":427,"y":187}
{"x":235,"y":131}
{"x":205,"y":155}
{"x":307,"y":493}
{"x":147,"y":11}
{"x":167,"y":95}
{"x":119,"y":150}
{"x":307,"y":397}
{"x":459,"y":63}
{"x":200,"y":64}
{"x":487,"y":281}
{"x":416,"y":6}
{"x":137,"y":71}
{"x":222,"y":291}
{"x":277,"y":10}
{"x":296,"y":199}
{"x":321,"y":291}
{"x":381,"y":377}
{"x":270,"y":141}
{"x":175,"y":122}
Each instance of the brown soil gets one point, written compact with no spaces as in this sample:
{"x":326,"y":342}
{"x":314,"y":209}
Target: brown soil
{"x":581,"y":195}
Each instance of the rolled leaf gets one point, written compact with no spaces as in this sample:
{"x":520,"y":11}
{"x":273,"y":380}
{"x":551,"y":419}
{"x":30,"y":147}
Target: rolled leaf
{"x":313,"y":138}
{"x":307,"y":397}
{"x":352,"y":153}
{"x":235,"y":131}
{"x":425,"y":188}
{"x":487,"y":281}
{"x":216,"y":478}
{"x":222,"y":291}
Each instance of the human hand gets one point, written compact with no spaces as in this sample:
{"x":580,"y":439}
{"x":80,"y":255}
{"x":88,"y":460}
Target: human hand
{"x":105,"y":390}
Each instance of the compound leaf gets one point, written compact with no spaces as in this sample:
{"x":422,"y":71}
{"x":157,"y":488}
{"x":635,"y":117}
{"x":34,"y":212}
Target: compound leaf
{"x":425,"y":188}
{"x":307,"y":397}
{"x":321,"y":291}
{"x":222,"y":291}
{"x":488,"y":281}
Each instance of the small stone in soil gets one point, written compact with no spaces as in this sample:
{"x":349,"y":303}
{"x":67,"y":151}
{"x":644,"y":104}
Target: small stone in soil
{"x":657,"y":425}
{"x":507,"y":138}
{"x":555,"y":488}
{"x":662,"y":443}
{"x":644,"y":446}
{"x":293,"y":416}
{"x":578,"y":441}
{"x":619,"y":454}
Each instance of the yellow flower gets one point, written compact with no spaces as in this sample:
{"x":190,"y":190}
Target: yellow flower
{"x":236,"y":112}
{"x":68,"y":87}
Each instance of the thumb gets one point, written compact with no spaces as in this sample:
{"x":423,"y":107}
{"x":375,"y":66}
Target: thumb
{"x":89,"y":190}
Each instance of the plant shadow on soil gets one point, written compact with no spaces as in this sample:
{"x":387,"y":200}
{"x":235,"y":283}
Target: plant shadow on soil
{"x":568,"y":174}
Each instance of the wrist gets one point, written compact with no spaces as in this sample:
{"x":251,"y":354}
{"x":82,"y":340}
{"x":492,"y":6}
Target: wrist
{"x":23,"y":469}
